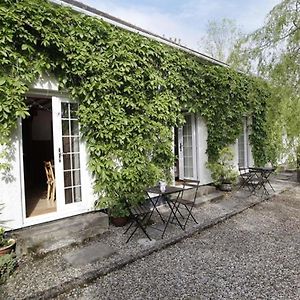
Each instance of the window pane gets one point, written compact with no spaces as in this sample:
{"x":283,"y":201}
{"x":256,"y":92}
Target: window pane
{"x":77,"y":194}
{"x":67,"y":178}
{"x":65,"y":110}
{"x":66,"y":145}
{"x":68,"y":196}
{"x":67,"y":161}
{"x":74,"y":127}
{"x":75,"y":161}
{"x":75,"y":144}
{"x":65,"y":127}
{"x":73,"y":110}
{"x":76,"y":177}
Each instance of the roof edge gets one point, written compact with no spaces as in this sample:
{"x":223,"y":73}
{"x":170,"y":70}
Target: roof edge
{"x":81,"y":7}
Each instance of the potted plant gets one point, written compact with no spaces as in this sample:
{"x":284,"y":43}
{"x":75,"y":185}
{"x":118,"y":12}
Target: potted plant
{"x":223,"y":171}
{"x":7,"y":245}
{"x":125,"y":186}
{"x":116,"y":208}
{"x":118,"y":203}
{"x":118,"y":213}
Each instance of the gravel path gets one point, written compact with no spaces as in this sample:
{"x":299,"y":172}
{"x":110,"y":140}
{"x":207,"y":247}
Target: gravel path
{"x":254,"y":255}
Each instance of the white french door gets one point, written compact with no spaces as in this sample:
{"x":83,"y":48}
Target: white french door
{"x":187,"y":147}
{"x":69,"y":156}
{"x":243,"y":146}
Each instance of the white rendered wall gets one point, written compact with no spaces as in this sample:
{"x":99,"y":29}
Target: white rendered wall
{"x":46,"y":83}
{"x":204,"y":174}
{"x":10,"y":189}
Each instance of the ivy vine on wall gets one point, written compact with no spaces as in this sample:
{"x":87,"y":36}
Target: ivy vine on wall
{"x":131,"y":91}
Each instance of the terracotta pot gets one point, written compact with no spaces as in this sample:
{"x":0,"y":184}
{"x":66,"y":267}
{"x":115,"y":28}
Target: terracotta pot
{"x":8,"y":249}
{"x":119,"y":221}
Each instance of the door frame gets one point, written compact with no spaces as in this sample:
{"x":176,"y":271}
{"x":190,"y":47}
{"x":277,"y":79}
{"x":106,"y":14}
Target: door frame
{"x":86,"y":180}
{"x":58,"y":159}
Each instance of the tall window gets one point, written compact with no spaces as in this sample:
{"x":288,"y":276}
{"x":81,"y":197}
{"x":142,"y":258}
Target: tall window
{"x":188,"y":158}
{"x":243,"y":148}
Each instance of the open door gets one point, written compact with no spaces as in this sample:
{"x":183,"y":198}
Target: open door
{"x":69,"y":156}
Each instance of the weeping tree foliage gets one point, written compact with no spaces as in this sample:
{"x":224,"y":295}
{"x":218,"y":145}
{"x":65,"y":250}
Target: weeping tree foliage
{"x":273,"y":52}
{"x":220,"y":38}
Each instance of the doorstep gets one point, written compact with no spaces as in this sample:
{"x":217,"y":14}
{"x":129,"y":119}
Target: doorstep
{"x":50,"y":236}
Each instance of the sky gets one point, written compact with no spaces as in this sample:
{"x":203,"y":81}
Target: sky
{"x":186,"y":19}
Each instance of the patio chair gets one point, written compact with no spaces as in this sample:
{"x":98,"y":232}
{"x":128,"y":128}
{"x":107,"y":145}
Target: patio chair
{"x":139,"y":215}
{"x":252,"y":179}
{"x":246,"y":178}
{"x":185,"y":203}
{"x":261,"y":179}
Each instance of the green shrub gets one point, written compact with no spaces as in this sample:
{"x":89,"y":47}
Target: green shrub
{"x":8,"y":264}
{"x":3,"y":241}
{"x":223,"y":170}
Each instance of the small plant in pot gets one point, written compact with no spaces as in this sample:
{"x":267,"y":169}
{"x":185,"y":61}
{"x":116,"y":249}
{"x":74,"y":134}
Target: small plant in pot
{"x":7,"y":245}
{"x":116,"y":208}
{"x":223,"y":171}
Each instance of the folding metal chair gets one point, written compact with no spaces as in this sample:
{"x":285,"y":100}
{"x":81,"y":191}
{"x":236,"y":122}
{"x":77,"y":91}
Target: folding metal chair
{"x":246,"y":179}
{"x":261,"y":179}
{"x":186,"y":201}
{"x":139,"y":215}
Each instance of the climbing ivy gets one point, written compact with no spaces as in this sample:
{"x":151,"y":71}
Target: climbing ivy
{"x":131,"y":92}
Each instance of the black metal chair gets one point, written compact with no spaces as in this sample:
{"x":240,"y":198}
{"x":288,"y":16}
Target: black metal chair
{"x":254,"y":179}
{"x":261,"y":179}
{"x":139,"y":215}
{"x":185,"y":203}
{"x":246,"y":179}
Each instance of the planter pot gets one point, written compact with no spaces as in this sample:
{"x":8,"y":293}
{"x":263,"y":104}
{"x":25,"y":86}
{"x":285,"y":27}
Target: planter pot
{"x":119,"y":221}
{"x":225,"y":187}
{"x":8,"y":249}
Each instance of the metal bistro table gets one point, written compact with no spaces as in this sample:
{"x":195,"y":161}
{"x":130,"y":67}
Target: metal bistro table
{"x":262,"y":174}
{"x":171,"y":204}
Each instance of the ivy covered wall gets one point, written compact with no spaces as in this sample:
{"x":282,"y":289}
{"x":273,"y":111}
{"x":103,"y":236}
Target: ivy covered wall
{"x":131,"y":90}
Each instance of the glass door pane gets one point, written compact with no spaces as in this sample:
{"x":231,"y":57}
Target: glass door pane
{"x":70,"y":152}
{"x":241,"y":150}
{"x":188,"y":148}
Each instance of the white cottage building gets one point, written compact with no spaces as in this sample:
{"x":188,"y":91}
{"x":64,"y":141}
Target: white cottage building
{"x":52,"y":134}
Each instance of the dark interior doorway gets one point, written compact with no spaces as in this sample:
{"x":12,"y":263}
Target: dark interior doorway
{"x":37,"y":132}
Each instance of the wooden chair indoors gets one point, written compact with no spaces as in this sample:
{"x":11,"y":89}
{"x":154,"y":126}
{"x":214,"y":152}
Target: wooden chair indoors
{"x":50,"y":181}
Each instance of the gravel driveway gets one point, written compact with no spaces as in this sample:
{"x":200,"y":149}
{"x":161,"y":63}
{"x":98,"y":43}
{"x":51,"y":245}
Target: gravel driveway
{"x":254,"y":255}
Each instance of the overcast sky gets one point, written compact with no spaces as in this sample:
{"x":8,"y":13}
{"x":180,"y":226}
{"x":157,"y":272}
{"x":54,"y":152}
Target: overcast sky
{"x":186,"y":19}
